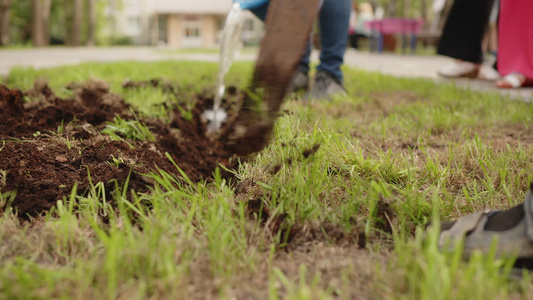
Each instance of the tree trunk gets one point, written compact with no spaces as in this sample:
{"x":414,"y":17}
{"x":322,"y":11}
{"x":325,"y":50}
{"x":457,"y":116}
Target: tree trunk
{"x":40,"y":29}
{"x":92,"y":23}
{"x":46,"y":4}
{"x":37,"y":32}
{"x":76,"y":26}
{"x":4,"y":21}
{"x":74,"y":16}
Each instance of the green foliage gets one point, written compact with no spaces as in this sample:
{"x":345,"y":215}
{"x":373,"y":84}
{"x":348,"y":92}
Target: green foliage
{"x":121,"y":129}
{"x":21,"y":19}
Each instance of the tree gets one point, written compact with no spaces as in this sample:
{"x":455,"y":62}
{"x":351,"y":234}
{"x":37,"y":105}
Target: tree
{"x":4,"y":21}
{"x":74,"y":22}
{"x":91,"y":31}
{"x":46,"y":5}
{"x":37,"y":32}
{"x":40,"y":26}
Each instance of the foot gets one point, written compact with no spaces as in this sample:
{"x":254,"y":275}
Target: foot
{"x":325,"y":87}
{"x":513,"y":229}
{"x":497,"y":220}
{"x":488,"y":73}
{"x":460,"y":69}
{"x":512,"y":81}
{"x":300,"y":82}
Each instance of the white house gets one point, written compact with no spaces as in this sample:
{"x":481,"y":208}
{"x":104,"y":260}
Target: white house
{"x":195,"y":24}
{"x":175,"y":23}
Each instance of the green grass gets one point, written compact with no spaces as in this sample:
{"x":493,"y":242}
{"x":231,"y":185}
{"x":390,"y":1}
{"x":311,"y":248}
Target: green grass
{"x":121,"y":129}
{"x":431,"y":151}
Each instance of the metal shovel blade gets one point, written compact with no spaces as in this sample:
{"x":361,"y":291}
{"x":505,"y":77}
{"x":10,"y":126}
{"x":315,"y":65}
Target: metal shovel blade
{"x":288,"y":26}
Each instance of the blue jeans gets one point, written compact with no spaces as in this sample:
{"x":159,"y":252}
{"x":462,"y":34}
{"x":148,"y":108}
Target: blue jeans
{"x":333,"y":21}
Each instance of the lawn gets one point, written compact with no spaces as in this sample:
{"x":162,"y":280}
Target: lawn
{"x":334,"y":207}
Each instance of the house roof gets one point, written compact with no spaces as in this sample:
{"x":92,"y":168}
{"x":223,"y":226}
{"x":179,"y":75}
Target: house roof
{"x":191,"y":6}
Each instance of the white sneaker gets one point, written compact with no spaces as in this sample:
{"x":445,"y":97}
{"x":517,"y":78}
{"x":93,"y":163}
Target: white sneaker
{"x":459,"y":69}
{"x":488,"y":73}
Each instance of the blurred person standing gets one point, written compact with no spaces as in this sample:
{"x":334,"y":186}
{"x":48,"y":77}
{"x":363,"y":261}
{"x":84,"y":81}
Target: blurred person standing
{"x":515,"y":43}
{"x":364,"y":14}
{"x":490,"y":42}
{"x":462,"y":39}
{"x":333,"y":25}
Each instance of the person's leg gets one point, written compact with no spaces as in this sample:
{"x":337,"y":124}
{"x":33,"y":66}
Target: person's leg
{"x":261,"y":11}
{"x":334,"y":19}
{"x":515,"y":48}
{"x":463,"y":32}
{"x":515,"y":59}
{"x":333,"y":23}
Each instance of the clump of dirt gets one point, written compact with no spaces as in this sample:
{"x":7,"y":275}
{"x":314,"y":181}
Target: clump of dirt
{"x":156,"y":82}
{"x":328,"y":232}
{"x":386,"y":216}
{"x":307,"y":153}
{"x":49,"y":144}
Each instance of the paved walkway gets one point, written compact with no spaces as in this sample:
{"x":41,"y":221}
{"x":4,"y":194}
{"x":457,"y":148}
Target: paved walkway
{"x":391,"y":64}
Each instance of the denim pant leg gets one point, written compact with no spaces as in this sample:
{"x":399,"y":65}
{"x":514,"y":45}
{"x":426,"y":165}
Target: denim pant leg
{"x":303,"y":66}
{"x":261,"y":11}
{"x":334,"y":21}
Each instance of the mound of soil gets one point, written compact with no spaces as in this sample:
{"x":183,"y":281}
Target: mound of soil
{"x":47,"y":145}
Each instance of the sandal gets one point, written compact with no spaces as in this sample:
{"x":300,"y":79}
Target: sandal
{"x":512,"y":228}
{"x":513,"y":81}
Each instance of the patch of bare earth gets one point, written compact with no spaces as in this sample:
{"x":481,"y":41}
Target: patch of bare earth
{"x":48,"y":145}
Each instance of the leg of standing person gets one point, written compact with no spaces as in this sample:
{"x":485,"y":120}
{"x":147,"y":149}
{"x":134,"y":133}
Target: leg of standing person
{"x":515,"y":48}
{"x":334,"y":19}
{"x":462,"y":37}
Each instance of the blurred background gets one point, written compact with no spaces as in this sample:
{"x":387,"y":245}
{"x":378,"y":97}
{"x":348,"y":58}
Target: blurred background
{"x":174,"y":24}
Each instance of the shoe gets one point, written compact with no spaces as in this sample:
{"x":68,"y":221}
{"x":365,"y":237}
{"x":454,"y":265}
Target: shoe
{"x":509,"y":233}
{"x":325,"y":86}
{"x":513,"y":81}
{"x":488,"y":73}
{"x":299,"y":82}
{"x":459,"y":69}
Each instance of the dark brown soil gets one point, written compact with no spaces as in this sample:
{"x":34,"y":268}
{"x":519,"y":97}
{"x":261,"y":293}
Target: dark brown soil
{"x":40,"y":163}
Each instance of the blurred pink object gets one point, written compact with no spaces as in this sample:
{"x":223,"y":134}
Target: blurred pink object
{"x":404,"y":27}
{"x":396,"y":25}
{"x":515,"y":40}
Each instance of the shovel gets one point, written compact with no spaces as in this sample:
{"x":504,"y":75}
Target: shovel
{"x":287,"y":31}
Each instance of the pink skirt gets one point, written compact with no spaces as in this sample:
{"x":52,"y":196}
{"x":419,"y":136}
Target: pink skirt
{"x":515,"y":37}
